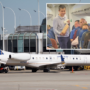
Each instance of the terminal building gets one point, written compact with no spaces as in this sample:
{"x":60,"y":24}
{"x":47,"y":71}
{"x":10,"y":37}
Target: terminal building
{"x":31,"y":39}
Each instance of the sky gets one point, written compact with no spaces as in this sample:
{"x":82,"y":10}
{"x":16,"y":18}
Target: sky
{"x":22,"y":17}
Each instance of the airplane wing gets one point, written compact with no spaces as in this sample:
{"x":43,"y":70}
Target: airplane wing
{"x":50,"y":65}
{"x":39,"y":65}
{"x":2,"y":62}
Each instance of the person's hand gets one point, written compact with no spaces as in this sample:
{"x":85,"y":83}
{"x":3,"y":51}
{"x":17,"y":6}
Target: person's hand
{"x":80,"y":48}
{"x":68,"y":21}
{"x":62,"y":34}
{"x":71,"y":40}
{"x":48,"y":48}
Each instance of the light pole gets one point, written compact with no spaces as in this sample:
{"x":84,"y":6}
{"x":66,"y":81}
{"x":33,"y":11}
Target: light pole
{"x":40,"y":12}
{"x":29,"y":15}
{"x":3,"y":23}
{"x":79,"y":1}
{"x":14,"y":17}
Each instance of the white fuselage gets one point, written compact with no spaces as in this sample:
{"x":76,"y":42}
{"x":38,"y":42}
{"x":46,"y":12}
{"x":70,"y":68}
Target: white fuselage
{"x":35,"y":60}
{"x":40,"y":60}
{"x":76,"y":60}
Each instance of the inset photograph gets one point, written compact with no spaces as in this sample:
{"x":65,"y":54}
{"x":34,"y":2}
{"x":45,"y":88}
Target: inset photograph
{"x":68,"y":26}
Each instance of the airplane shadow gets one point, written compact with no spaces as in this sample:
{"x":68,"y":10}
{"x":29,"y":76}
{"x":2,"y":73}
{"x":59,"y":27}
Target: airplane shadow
{"x":29,"y":71}
{"x":41,"y":71}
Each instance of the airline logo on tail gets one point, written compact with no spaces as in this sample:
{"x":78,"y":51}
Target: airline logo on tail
{"x":1,"y":53}
{"x":62,"y":59}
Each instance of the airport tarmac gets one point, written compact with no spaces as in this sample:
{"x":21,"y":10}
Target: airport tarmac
{"x":54,"y":80}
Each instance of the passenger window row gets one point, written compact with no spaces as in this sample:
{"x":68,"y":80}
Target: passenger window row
{"x":45,"y":58}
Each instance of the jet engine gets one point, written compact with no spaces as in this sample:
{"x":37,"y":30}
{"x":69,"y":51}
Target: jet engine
{"x":20,"y":56}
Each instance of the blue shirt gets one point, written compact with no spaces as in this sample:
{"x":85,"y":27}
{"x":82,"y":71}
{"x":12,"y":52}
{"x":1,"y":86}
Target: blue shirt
{"x":51,"y":33}
{"x":72,"y":32}
{"x":78,"y":31}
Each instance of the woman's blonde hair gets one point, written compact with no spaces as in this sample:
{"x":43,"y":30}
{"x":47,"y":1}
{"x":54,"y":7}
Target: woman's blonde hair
{"x":48,"y":27}
{"x":86,"y":25}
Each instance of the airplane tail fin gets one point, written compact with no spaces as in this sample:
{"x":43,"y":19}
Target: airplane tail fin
{"x":62,"y":59}
{"x":1,"y":52}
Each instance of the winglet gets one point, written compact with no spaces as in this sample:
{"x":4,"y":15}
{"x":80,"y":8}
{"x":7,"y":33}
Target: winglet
{"x":1,"y":53}
{"x":62,"y":59}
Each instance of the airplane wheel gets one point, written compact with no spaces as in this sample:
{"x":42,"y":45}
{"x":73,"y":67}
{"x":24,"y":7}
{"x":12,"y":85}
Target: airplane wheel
{"x":34,"y":70}
{"x":70,"y":68}
{"x":82,"y":68}
{"x":6,"y":71}
{"x":76,"y":68}
{"x":46,"y":70}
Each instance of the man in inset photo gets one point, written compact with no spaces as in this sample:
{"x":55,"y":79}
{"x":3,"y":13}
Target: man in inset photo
{"x":61,"y":27}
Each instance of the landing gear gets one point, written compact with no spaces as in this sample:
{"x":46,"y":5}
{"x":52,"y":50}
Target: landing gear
{"x":6,"y":70}
{"x":34,"y":70}
{"x":76,"y":68}
{"x":46,"y":70}
{"x":3,"y":69}
{"x":82,"y":67}
{"x":70,"y":68}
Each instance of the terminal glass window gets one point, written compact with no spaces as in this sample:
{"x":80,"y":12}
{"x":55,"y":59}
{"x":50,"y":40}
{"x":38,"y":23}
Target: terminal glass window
{"x":43,"y":26}
{"x":15,"y":42}
{"x":14,"y":45}
{"x":21,"y":43}
{"x":26,"y":42}
{"x":1,"y":44}
{"x":10,"y":43}
{"x":32,"y":42}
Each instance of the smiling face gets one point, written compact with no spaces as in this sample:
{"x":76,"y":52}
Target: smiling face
{"x":76,"y":24}
{"x":62,"y":12}
{"x":82,"y":21}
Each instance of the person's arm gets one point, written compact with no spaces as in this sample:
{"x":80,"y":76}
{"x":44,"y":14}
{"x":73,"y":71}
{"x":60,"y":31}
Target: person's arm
{"x":71,"y":36}
{"x":55,"y":25}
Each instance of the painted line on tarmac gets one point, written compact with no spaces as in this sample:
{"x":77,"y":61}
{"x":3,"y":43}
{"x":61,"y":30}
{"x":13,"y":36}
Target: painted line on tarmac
{"x":84,"y":87}
{"x":81,"y":87}
{"x":77,"y":85}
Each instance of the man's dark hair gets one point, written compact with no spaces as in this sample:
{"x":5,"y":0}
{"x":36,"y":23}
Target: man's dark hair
{"x":77,"y":21}
{"x":61,"y":6}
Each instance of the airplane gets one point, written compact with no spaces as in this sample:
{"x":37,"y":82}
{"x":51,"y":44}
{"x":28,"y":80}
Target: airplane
{"x":42,"y":61}
{"x":34,"y":61}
